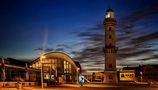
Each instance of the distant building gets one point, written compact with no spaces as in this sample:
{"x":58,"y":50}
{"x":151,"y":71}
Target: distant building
{"x":13,"y":69}
{"x":127,"y":75}
{"x":98,"y":76}
{"x":149,"y":72}
{"x":94,"y":77}
{"x":142,"y":73}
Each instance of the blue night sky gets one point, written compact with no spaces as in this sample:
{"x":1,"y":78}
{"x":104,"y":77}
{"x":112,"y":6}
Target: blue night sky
{"x":76,"y":28}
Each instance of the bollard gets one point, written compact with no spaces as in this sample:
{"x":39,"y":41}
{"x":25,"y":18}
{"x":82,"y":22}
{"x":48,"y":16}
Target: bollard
{"x":19,"y":85}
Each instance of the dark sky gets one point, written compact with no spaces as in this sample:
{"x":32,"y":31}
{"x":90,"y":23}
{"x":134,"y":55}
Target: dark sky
{"x":76,"y":27}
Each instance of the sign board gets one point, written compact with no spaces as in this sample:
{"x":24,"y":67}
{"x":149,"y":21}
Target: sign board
{"x":46,"y":76}
{"x":52,"y":77}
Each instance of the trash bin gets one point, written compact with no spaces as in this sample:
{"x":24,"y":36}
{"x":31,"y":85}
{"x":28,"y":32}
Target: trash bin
{"x":19,"y":85}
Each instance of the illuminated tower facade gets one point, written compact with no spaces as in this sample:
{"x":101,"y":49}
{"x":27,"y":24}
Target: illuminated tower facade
{"x":110,"y":47}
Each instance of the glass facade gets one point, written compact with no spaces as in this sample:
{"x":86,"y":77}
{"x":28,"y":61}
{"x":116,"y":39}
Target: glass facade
{"x":56,"y":65}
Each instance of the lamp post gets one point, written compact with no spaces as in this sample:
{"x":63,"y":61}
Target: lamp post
{"x":141,"y":78}
{"x":77,"y":73}
{"x":41,"y":58}
{"x":3,"y":70}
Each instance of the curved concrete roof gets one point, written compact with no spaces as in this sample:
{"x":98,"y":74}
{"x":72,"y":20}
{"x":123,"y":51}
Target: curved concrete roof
{"x":58,"y":55}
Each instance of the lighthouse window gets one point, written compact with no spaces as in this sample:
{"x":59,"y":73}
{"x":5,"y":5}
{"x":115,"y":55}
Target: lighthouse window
{"x":110,"y":36}
{"x":110,"y":45}
{"x":110,"y":65}
{"x":110,"y":76}
{"x":109,"y":28}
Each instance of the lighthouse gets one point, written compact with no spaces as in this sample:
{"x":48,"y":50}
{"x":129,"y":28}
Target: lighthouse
{"x":110,"y":72}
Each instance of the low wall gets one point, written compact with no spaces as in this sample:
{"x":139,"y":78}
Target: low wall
{"x":14,"y":84}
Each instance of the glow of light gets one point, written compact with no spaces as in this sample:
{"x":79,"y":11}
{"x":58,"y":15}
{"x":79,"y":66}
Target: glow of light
{"x":43,"y":57}
{"x":107,"y":15}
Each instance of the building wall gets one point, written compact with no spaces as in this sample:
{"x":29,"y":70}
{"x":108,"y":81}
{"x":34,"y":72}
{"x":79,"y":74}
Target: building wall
{"x":150,"y":72}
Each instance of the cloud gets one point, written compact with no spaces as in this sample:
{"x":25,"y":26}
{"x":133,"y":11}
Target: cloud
{"x":59,"y":49}
{"x":44,"y":49}
{"x":134,"y":39}
{"x":142,"y":12}
{"x":96,"y":27}
{"x":145,"y":38}
{"x":131,"y":40}
{"x":124,"y":55}
{"x":149,"y":58}
{"x":63,"y":46}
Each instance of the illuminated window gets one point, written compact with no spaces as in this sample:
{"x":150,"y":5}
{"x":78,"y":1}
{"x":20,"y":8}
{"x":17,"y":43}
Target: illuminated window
{"x":109,"y":28}
{"x":33,"y":65}
{"x":110,"y":45}
{"x":67,"y":67}
{"x":122,"y":75}
{"x":36,"y":65}
{"x":109,"y":36}
{"x":30,"y":66}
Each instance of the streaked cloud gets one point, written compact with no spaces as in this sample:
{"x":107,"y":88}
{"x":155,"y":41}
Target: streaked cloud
{"x":134,"y":39}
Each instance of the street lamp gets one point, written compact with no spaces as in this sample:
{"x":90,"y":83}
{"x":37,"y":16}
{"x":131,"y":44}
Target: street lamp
{"x":141,"y":78}
{"x":41,"y":58}
{"x":77,"y":73}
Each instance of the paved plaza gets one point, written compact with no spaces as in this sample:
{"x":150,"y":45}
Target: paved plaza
{"x":90,"y":87}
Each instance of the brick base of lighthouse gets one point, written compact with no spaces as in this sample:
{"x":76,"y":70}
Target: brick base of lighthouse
{"x":110,"y":77}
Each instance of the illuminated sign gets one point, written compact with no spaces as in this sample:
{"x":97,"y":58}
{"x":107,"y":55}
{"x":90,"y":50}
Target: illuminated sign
{"x":81,"y":79}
